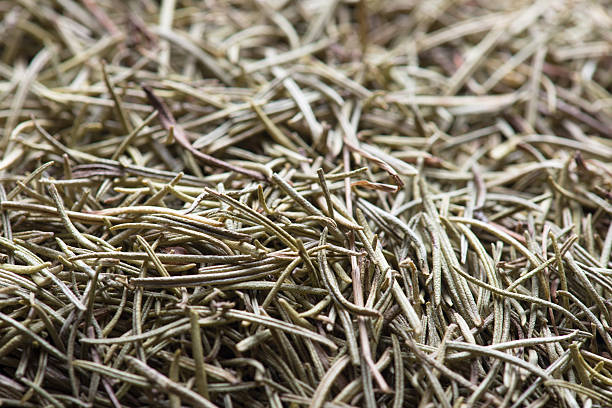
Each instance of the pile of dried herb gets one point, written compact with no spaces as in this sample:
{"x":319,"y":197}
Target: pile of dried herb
{"x":323,"y":203}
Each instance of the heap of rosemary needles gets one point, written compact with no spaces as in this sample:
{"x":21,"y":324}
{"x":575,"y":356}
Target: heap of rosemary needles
{"x":323,"y":203}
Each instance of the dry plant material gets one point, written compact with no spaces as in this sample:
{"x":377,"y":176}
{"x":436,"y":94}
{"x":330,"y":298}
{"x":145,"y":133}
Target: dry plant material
{"x":330,"y":204}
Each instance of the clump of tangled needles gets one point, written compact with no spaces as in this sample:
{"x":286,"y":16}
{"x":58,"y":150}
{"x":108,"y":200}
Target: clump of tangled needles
{"x":329,"y":203}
